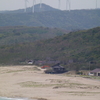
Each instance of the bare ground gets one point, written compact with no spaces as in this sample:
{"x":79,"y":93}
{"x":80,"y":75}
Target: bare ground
{"x":31,"y":82}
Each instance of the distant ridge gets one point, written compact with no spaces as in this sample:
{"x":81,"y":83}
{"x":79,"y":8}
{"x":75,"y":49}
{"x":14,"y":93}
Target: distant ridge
{"x":50,"y":17}
{"x":36,"y":9}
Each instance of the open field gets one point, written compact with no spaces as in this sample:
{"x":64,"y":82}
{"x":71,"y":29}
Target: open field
{"x":31,"y":82}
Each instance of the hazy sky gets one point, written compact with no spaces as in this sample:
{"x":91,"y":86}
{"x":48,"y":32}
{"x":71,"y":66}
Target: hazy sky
{"x":75,"y":4}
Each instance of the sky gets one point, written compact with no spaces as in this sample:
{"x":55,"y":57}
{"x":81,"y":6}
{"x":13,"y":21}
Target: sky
{"x":74,"y":4}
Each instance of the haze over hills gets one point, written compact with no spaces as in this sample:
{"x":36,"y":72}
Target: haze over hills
{"x":36,"y":9}
{"x":74,"y":50}
{"x":50,"y":17}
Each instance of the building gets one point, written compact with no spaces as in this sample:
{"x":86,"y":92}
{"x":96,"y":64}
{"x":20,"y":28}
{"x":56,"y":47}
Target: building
{"x":45,"y":66}
{"x":95,"y":72}
{"x":30,"y":62}
{"x":56,"y":69}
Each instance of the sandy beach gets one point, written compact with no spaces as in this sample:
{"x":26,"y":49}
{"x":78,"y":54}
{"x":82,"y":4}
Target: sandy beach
{"x":31,"y":82}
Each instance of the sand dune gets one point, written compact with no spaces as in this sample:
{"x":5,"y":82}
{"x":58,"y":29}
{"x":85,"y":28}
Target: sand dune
{"x":31,"y":82}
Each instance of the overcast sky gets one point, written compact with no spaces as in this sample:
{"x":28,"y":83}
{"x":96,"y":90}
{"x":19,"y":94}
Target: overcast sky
{"x":75,"y":4}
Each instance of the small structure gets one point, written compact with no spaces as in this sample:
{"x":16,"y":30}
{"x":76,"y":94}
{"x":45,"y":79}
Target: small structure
{"x":56,"y":69}
{"x":45,"y":66}
{"x":30,"y":62}
{"x":95,"y":72}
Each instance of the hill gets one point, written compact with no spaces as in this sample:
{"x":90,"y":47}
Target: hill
{"x":36,"y":9}
{"x":23,"y":34}
{"x":76,"y":50}
{"x":73,"y":20}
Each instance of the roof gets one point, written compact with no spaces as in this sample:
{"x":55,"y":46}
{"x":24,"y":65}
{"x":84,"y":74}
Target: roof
{"x":45,"y":66}
{"x":96,"y":70}
{"x":57,"y":66}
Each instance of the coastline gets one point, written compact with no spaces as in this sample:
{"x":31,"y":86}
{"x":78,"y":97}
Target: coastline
{"x":6,"y":98}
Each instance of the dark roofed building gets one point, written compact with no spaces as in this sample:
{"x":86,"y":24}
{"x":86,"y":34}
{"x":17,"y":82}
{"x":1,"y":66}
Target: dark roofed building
{"x":95,"y":72}
{"x":56,"y":69}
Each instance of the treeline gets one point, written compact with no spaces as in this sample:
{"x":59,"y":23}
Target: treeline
{"x":75,"y":50}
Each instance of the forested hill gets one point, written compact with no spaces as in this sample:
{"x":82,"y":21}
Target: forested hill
{"x":75,"y":19}
{"x":24,"y":34}
{"x":74,"y":50}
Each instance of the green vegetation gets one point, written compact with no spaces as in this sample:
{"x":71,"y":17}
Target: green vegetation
{"x":75,"y":19}
{"x":76,"y":50}
{"x":23,"y":34}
